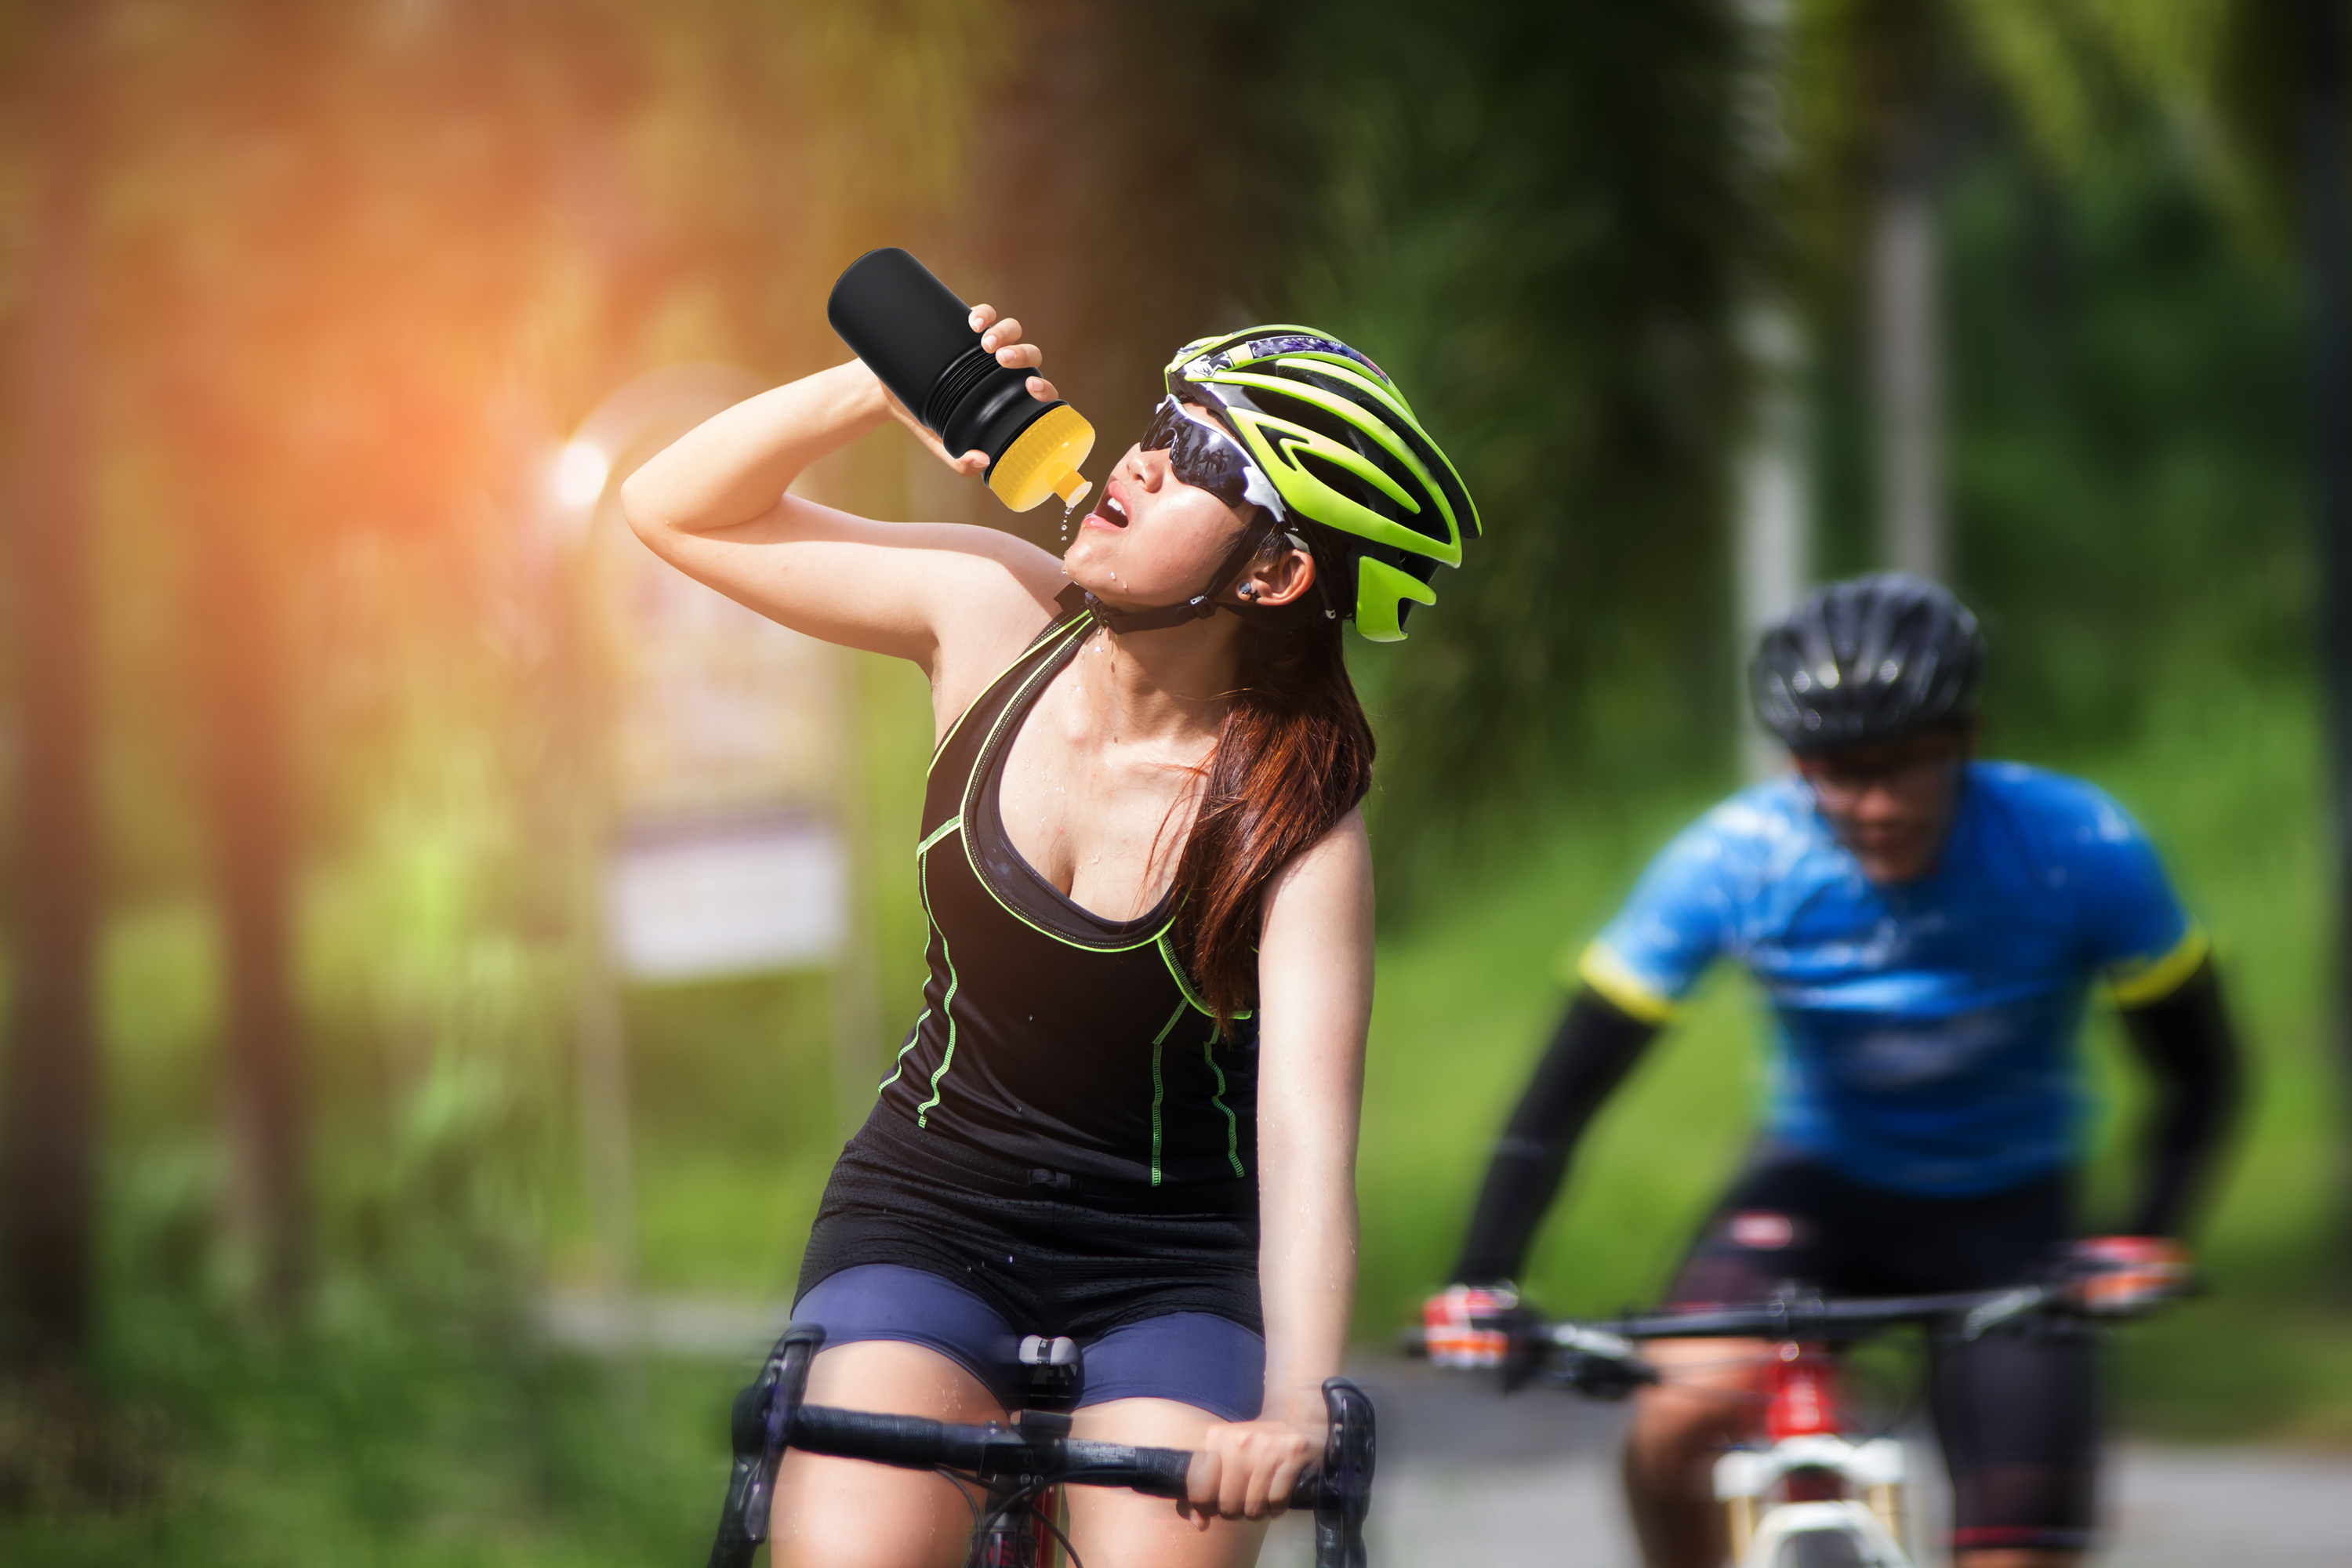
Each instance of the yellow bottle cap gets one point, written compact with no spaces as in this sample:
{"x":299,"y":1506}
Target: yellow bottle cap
{"x":1043,"y":459}
{"x":1073,"y":488}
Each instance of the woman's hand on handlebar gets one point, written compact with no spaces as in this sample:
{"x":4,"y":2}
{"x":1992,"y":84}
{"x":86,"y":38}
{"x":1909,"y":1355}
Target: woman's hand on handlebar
{"x":1004,"y":338}
{"x":1248,"y":1469}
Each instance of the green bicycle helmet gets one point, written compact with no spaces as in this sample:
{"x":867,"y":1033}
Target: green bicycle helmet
{"x":1381,"y":506}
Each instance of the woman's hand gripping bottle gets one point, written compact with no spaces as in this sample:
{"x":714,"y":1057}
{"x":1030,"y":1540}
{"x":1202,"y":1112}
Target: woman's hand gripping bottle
{"x":917,"y":338}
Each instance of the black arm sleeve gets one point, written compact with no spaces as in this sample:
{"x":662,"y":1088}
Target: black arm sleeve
{"x":2185,"y":1040}
{"x":1595,"y":1046}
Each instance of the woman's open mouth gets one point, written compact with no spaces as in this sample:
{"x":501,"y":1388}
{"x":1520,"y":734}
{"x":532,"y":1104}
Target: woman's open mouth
{"x":1108,"y":512}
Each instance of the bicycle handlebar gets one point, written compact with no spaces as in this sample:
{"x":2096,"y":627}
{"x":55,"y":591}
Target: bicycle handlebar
{"x":995,"y":1453}
{"x":1004,"y":1452}
{"x":1804,"y":1317}
{"x":1599,"y":1357}
{"x":770,"y":1417}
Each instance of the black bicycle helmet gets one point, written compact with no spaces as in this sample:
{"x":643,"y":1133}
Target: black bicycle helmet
{"x":1867,"y":661}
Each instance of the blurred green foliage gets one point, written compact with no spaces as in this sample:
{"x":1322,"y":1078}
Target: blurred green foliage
{"x":1555,"y":213}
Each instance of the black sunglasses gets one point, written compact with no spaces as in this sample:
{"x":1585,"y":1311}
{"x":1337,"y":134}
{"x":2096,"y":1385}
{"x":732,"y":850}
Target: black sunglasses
{"x":1201,"y":455}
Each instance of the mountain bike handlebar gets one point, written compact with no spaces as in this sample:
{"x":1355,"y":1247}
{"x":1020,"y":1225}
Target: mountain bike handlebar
{"x":1602,"y":1359}
{"x":770,"y":1417}
{"x":1801,"y":1316}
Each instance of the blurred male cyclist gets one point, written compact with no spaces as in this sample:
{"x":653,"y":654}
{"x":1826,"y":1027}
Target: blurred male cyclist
{"x":1927,"y":926}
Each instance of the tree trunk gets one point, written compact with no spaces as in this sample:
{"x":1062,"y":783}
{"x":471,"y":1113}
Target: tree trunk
{"x":249,"y":797}
{"x":48,"y":1105}
{"x":1773,"y":521}
{"x":1908,"y":374}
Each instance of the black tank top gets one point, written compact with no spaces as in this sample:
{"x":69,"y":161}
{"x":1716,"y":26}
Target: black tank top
{"x":1049,"y":1036}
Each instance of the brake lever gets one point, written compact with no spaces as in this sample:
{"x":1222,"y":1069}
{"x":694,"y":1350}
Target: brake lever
{"x":761,"y":1425}
{"x":1344,"y":1491}
{"x":1597,"y":1363}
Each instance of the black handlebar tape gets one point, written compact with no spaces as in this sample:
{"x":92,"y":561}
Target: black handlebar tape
{"x":917,"y":1443}
{"x":909,"y":1442}
{"x":1154,"y":1472}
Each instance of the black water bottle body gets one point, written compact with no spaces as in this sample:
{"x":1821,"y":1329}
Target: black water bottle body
{"x":916,"y":335}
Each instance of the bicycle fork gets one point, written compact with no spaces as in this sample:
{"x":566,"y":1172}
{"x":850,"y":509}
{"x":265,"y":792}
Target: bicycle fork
{"x":1816,"y":1470}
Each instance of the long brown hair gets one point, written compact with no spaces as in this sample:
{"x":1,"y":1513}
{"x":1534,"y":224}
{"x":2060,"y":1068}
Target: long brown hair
{"x":1293,"y":757}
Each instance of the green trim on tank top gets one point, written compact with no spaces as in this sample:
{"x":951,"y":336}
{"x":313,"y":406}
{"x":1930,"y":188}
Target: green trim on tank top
{"x":899,"y":1062}
{"x":1233,"y":1122}
{"x":947,"y":1003}
{"x":967,"y":800}
{"x":1183,"y":981}
{"x":997,"y":679}
{"x":1158,"y":1089}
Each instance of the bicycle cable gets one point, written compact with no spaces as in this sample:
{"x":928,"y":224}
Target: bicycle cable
{"x":1075,"y":1561}
{"x":1018,"y":1497}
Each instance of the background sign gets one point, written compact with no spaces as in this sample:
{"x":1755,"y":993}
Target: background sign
{"x":724,"y":856}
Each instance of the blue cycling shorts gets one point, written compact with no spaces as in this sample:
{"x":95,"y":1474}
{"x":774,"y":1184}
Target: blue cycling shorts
{"x":1199,"y":1359}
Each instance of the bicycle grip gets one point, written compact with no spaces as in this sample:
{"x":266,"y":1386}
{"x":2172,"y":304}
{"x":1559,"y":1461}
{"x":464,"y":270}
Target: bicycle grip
{"x":1163,"y":1472}
{"x":1154,"y":1472}
{"x":909,"y":1441}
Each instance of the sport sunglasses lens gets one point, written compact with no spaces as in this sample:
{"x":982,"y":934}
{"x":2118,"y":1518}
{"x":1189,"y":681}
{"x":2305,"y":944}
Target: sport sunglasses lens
{"x":1198,"y":456}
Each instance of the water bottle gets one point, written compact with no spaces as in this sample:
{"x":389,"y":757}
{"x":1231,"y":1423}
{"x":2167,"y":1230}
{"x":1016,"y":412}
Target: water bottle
{"x":916,"y":335}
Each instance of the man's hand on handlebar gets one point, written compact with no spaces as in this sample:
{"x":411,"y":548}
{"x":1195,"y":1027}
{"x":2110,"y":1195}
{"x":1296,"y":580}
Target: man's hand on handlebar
{"x":2124,"y":1275}
{"x":1468,"y":1327}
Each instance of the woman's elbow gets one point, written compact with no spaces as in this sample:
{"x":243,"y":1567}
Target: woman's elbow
{"x":641,"y":505}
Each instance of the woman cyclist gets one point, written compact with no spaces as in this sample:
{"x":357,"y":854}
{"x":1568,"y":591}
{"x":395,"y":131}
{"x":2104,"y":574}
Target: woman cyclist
{"x":1149,"y":904}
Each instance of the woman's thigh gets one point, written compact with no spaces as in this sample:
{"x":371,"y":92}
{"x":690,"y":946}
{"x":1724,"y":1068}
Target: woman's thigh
{"x":846,"y":1513}
{"x":1115,"y":1528}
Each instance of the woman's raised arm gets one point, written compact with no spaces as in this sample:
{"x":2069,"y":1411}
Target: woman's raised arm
{"x":957,"y":600}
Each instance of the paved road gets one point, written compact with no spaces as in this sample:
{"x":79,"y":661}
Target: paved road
{"x":1470,"y":1479}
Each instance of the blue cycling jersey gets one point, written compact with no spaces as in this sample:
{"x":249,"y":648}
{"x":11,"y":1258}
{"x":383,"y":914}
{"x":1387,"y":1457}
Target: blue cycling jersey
{"x":1926,"y":1037}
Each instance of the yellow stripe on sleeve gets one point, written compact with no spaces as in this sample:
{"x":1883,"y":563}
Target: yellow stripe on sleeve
{"x":1607,"y":973}
{"x":2137,"y":984}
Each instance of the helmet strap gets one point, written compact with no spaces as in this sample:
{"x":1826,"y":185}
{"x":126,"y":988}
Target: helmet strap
{"x":1201,"y":605}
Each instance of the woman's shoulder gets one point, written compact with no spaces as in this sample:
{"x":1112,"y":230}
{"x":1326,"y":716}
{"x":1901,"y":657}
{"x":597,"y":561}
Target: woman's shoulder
{"x":1336,"y":866}
{"x":1005,"y":602}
